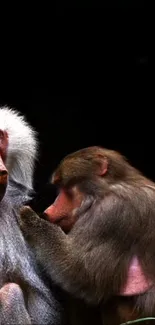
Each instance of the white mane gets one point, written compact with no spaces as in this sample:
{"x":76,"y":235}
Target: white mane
{"x":22,"y":147}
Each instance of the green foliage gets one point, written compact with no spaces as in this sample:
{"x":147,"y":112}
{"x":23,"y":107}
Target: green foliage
{"x":138,"y":320}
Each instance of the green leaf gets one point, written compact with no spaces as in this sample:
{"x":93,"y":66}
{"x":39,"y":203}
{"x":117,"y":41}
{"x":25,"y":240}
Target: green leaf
{"x":138,"y":320}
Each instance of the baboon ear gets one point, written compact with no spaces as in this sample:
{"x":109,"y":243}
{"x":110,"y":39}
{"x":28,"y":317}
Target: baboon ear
{"x":103,"y":165}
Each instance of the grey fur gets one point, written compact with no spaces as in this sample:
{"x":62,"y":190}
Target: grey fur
{"x":17,"y":262}
{"x":22,"y":149}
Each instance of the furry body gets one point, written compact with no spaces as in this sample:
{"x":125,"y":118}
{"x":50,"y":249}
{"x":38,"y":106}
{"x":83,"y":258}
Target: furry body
{"x":17,"y":262}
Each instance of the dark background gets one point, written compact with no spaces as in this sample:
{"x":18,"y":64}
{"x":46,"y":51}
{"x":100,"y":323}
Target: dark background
{"x":98,"y":92}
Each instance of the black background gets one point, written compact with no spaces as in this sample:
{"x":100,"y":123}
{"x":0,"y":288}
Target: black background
{"x":97,"y":91}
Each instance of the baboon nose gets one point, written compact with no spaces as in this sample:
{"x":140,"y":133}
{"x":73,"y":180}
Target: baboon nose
{"x":3,"y":173}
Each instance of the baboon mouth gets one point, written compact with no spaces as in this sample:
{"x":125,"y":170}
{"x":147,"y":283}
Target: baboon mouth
{"x":53,"y":219}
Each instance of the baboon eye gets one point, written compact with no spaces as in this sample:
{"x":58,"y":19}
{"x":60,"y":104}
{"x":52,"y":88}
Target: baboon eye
{"x":69,"y":192}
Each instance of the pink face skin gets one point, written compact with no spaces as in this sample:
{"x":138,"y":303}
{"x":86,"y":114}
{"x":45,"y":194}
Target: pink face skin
{"x":3,"y":170}
{"x":61,"y":211}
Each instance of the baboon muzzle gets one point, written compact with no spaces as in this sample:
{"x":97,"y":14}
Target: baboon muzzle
{"x":3,"y":178}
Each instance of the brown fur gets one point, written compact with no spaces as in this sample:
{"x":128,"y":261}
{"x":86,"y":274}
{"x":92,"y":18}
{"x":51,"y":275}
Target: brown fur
{"x":116,"y":220}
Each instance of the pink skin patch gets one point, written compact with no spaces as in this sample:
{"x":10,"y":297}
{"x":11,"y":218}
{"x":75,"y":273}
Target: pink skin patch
{"x":61,"y":211}
{"x":63,"y":205}
{"x":59,"y":208}
{"x":136,"y":282}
